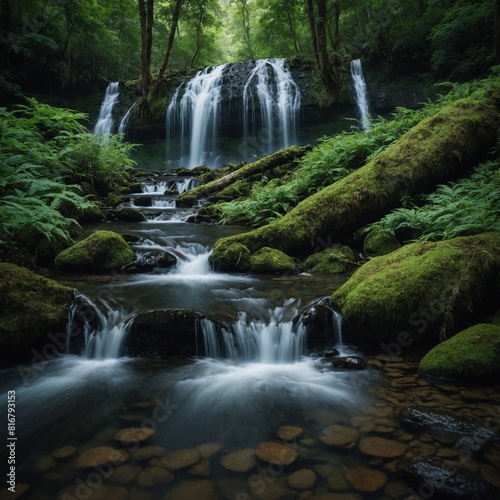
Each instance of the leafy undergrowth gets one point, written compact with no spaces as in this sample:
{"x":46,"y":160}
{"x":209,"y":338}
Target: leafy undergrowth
{"x":335,"y":157}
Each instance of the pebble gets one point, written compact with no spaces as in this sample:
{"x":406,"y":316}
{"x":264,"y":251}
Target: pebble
{"x":64,"y":452}
{"x":100,"y":456}
{"x":154,"y":476}
{"x":124,"y":474}
{"x":302,"y":479}
{"x":147,"y":453}
{"x":207,"y":450}
{"x":364,"y":479}
{"x":180,"y":459}
{"x":289,"y":432}
{"x":132,"y":435}
{"x":201,"y":489}
{"x":380,"y":447}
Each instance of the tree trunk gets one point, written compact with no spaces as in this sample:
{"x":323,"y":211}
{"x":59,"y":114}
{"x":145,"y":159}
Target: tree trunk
{"x":146,"y":22}
{"x":497,"y":32}
{"x":201,"y":15}
{"x":312,"y":28}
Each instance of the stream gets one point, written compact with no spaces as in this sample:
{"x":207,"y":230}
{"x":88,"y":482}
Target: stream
{"x":258,"y":383}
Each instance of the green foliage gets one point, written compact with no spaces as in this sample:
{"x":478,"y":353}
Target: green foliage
{"x":466,"y":207}
{"x":42,"y":150}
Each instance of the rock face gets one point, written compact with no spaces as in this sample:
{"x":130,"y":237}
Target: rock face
{"x":272,"y":261}
{"x":472,"y":355}
{"x":419,"y":291}
{"x":101,"y":251}
{"x":32,"y":307}
{"x":446,"y":478}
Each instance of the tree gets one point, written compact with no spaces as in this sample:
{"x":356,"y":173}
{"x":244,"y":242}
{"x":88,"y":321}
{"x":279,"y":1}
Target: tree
{"x":146,"y":16}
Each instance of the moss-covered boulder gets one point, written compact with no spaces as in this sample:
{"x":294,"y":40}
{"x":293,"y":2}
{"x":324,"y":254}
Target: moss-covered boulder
{"x":421,"y":290}
{"x":113,"y":200}
{"x":32,"y":307}
{"x":271,"y":261}
{"x":333,"y":260}
{"x":126,"y":215}
{"x":379,"y":243}
{"x":235,"y":258}
{"x":436,"y":150}
{"x":473,"y":355}
{"x":89,"y":214}
{"x":101,"y":251}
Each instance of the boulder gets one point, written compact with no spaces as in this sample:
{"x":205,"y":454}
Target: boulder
{"x":447,"y":478}
{"x":379,"y":243}
{"x":333,"y":260}
{"x":349,"y":363}
{"x":101,"y":251}
{"x":143,"y":201}
{"x":149,"y":261}
{"x":32,"y":307}
{"x":271,"y":261}
{"x":421,"y":291}
{"x":473,"y":355}
{"x":126,"y":215}
{"x":234,"y":258}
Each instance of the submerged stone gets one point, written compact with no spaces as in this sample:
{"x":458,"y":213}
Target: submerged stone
{"x":239,"y":461}
{"x":201,"y":489}
{"x":339,"y":436}
{"x":153,"y":476}
{"x":302,"y":479}
{"x":276,"y":453}
{"x":100,"y":456}
{"x":289,"y":432}
{"x":364,"y":479}
{"x":349,"y":363}
{"x":180,"y":459}
{"x":380,"y":447}
{"x":447,"y":478}
{"x":133,"y":435}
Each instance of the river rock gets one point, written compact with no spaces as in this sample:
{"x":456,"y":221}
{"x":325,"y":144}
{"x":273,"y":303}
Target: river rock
{"x":239,"y":461}
{"x":207,"y":450}
{"x":143,"y":201}
{"x":45,"y":463}
{"x":126,"y":215}
{"x":180,"y":459}
{"x":153,"y":476}
{"x":379,"y":243}
{"x":124,"y":474}
{"x":100,"y":456}
{"x":132,"y":435}
{"x":147,"y":453}
{"x":380,"y":447}
{"x":339,"y":436}
{"x":349,"y":363}
{"x":364,"y":479}
{"x":447,"y":479}
{"x":289,"y":432}
{"x":276,"y":453}
{"x":64,"y":452}
{"x":302,"y":479}
{"x":202,"y":489}
{"x":149,"y":261}
{"x":272,"y":261}
{"x":263,"y":488}
{"x":202,"y":468}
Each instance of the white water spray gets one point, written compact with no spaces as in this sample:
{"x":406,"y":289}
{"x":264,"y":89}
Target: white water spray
{"x":361,"y":93}
{"x":104,"y":123}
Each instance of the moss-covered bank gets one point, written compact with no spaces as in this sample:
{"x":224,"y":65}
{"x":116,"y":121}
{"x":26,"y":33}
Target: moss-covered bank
{"x":425,"y":289}
{"x":472,"y":355}
{"x":101,"y":251}
{"x":32,"y":307}
{"x":437,"y":149}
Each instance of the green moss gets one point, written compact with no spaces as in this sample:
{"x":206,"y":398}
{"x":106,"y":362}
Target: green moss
{"x":472,"y":355}
{"x":89,"y":215}
{"x":32,"y":306}
{"x":235,"y":190}
{"x":235,"y":258}
{"x":434,"y":151}
{"x":330,"y":267}
{"x":113,"y":199}
{"x":271,"y":261}
{"x":101,"y":251}
{"x":126,"y":214}
{"x":424,"y":288}
{"x":379,"y":243}
{"x":340,"y":253}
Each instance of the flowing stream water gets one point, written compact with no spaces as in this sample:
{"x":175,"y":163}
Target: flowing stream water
{"x":256,"y":375}
{"x":105,"y":121}
{"x":361,"y":93}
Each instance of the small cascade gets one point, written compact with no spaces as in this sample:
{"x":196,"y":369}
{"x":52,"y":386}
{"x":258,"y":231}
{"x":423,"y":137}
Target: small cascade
{"x":271,"y":85}
{"x":124,"y":121}
{"x":361,"y":93}
{"x":104,"y":341}
{"x":192,"y":260}
{"x":186,"y":184}
{"x":179,"y":186}
{"x":198,"y":113}
{"x":163,"y":204}
{"x":104,"y":123}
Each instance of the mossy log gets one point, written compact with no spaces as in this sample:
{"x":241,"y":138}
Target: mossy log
{"x":423,"y":291}
{"x":281,"y":157}
{"x":438,"y":149}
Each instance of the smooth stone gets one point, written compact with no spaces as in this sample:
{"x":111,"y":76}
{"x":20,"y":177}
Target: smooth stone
{"x":201,"y":489}
{"x":202,"y":468}
{"x":339,"y":436}
{"x":308,"y":442}
{"x":147,"y":453}
{"x":239,"y":461}
{"x":207,"y":450}
{"x":380,"y":447}
{"x":45,"y":463}
{"x":276,"y":453}
{"x":153,"y":476}
{"x":180,"y":458}
{"x":289,"y":432}
{"x":302,"y":479}
{"x":142,"y":494}
{"x":364,"y":479}
{"x":447,"y":478}
{"x":64,"y":452}
{"x":124,"y":474}
{"x":100,"y":456}
{"x":132,"y":435}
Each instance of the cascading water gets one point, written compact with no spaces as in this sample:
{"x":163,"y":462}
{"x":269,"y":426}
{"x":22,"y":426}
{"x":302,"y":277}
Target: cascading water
{"x":122,"y":128}
{"x":361,"y":93}
{"x":105,"y":122}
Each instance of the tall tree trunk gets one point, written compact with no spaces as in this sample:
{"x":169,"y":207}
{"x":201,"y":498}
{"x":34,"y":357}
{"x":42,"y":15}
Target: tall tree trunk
{"x":296,"y":42}
{"x":325,"y":67}
{"x":497,"y":32}
{"x":170,"y":43}
{"x":201,"y":15}
{"x":146,"y":9}
{"x":312,"y":28}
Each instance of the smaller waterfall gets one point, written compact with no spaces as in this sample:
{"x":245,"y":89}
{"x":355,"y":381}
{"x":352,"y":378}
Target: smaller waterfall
{"x":161,"y":187}
{"x":124,"y":121}
{"x":104,"y":123}
{"x":361,"y":93}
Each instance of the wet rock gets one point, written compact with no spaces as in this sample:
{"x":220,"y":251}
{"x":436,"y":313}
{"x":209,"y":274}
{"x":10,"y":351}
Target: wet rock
{"x":126,"y":215}
{"x":180,"y":459}
{"x":302,"y":479}
{"x":329,"y":353}
{"x":339,"y":436}
{"x":143,"y":201}
{"x":447,"y":479}
{"x":289,"y":432}
{"x":202,"y":489}
{"x":349,"y":363}
{"x":45,"y":463}
{"x":233,"y":259}
{"x":64,"y":452}
{"x":207,"y":450}
{"x":100,"y":456}
{"x":147,"y":453}
{"x":364,"y":479}
{"x":153,"y":476}
{"x":380,"y":447}
{"x":132,"y":435}
{"x":239,"y":461}
{"x":124,"y":474}
{"x":445,"y":422}
{"x":276,"y":453}
{"x":262,"y":488}
{"x":149,"y":261}
{"x":202,"y":468}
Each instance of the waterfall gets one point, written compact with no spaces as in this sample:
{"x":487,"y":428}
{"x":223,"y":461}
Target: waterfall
{"x":361,"y":93}
{"x":272,"y":86}
{"x":161,"y":187}
{"x":124,"y":121}
{"x":104,"y":123}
